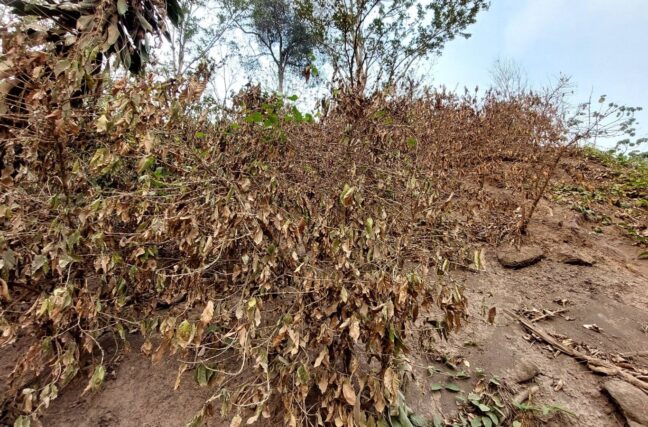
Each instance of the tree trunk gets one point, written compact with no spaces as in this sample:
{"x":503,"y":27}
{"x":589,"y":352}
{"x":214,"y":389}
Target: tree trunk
{"x":360,"y":82}
{"x":280,"y":78}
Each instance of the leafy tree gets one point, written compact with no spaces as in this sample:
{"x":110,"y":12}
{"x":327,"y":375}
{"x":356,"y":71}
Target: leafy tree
{"x":373,"y":43}
{"x":282,"y":30}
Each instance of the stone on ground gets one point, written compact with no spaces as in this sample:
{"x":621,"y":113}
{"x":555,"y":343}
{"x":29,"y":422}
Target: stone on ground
{"x":511,"y":257}
{"x":575,"y":257}
{"x":524,"y":371}
{"x":632,"y":401}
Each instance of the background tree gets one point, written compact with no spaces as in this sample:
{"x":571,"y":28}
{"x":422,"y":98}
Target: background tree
{"x":202,"y":27}
{"x":376,"y":42}
{"x":509,"y":78}
{"x":283,"y":31}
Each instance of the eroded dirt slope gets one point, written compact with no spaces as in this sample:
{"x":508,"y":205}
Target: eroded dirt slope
{"x":611,"y":294}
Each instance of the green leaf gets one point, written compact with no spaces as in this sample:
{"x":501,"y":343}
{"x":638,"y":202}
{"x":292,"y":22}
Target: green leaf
{"x":418,"y":420}
{"x":102,"y":124}
{"x":66,"y":260}
{"x":255,"y":117}
{"x":493,"y":418}
{"x":643,"y":255}
{"x":346,"y":196}
{"x":113,"y":36}
{"x":61,"y":66}
{"x":432,"y":370}
{"x":39,"y":261}
{"x":411,"y":143}
{"x":474,"y":397}
{"x":436,"y":387}
{"x":201,"y":375}
{"x":197,"y":420}
{"x":369,"y":223}
{"x":293,"y":98}
{"x":461,"y":375}
{"x":185,"y":333}
{"x":8,"y":260}
{"x":453,"y":387}
{"x":487,"y":422}
{"x":497,"y":401}
{"x":475,"y":422}
{"x":483,"y":408}
{"x":97,"y":378}
{"x":272,"y":120}
{"x":437,"y":421}
{"x":517,"y":424}
{"x":302,"y":374}
{"x":49,"y":393}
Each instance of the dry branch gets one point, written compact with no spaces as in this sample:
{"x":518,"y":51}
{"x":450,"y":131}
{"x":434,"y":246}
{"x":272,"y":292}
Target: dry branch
{"x":548,"y":313}
{"x":593,"y":363}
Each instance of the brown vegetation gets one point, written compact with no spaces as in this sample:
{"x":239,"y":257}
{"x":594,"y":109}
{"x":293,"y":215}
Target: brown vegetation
{"x":285,"y":260}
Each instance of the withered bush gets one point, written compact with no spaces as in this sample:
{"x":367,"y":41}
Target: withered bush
{"x":287,"y":260}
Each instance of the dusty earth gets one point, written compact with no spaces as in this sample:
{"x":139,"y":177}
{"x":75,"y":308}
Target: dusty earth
{"x":611,"y":294}
{"x":596,"y":278}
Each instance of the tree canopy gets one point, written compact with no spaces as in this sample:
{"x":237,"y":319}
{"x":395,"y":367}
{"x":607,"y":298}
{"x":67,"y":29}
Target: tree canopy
{"x":283,"y":29}
{"x":376,"y":42}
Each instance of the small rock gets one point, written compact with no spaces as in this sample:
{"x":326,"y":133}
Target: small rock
{"x":511,"y":257}
{"x":632,"y":401}
{"x":575,"y":257}
{"x":524,"y":371}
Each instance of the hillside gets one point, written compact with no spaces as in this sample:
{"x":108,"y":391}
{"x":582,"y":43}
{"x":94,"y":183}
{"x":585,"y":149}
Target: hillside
{"x":399,"y":256}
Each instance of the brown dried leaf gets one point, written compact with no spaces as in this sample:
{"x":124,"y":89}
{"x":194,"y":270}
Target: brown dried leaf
{"x":181,"y":369}
{"x":349,"y":393}
{"x":392,"y":383}
{"x":4,"y":291}
{"x":321,"y":357}
{"x":258,"y":236}
{"x":323,"y":382}
{"x":236,"y":421}
{"x":207,"y":314}
{"x":354,"y":329}
{"x":593,"y":327}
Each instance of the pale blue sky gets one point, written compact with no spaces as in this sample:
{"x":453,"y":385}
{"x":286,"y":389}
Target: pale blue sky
{"x":601,"y":44}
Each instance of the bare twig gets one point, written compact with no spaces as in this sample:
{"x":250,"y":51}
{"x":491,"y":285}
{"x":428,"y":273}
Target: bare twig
{"x":593,"y":363}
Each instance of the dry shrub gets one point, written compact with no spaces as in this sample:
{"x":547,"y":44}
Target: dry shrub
{"x":308,"y":248}
{"x":299,"y":253}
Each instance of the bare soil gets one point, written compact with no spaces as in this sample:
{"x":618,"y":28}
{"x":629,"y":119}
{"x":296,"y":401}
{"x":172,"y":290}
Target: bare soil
{"x":611,"y":294}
